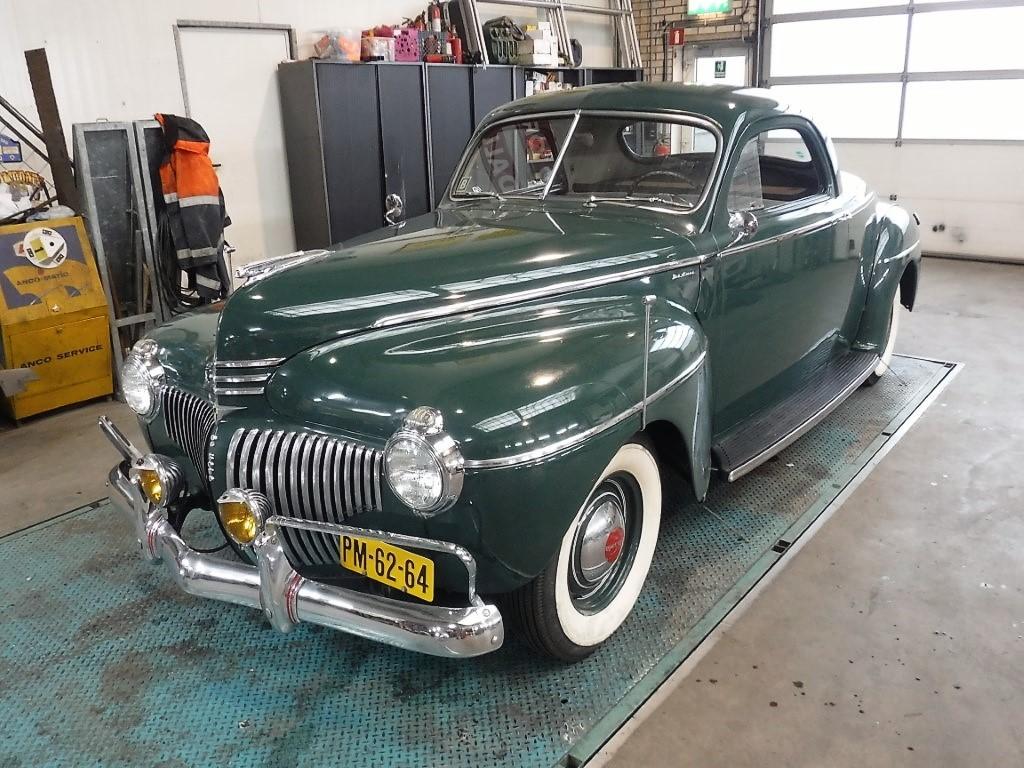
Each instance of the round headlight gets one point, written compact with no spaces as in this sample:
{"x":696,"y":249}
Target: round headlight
{"x":140,"y":377}
{"x":423,"y":464}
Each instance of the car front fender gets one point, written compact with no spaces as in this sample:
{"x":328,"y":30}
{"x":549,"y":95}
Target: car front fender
{"x":538,"y":396}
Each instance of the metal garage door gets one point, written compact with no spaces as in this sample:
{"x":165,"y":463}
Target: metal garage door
{"x":922,"y":99}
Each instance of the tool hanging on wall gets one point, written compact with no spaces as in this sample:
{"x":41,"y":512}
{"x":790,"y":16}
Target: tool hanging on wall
{"x":191,"y":218}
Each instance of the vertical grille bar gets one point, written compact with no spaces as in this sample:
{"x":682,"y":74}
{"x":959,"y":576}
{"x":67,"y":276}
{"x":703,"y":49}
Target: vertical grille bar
{"x":189,"y":421}
{"x":308,"y":476}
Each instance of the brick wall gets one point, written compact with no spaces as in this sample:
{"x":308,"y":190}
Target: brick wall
{"x":653,"y":17}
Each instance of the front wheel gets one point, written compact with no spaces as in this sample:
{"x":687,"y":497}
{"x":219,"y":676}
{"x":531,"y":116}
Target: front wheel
{"x":592,"y":583}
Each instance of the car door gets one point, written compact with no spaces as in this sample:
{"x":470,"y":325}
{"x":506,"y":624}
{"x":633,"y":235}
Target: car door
{"x":783,"y":277}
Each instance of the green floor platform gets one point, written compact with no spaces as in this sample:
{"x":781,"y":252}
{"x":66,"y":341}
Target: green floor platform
{"x":104,"y":662}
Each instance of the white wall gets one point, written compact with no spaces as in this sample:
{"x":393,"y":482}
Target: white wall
{"x":115,"y":59}
{"x":974,"y":189}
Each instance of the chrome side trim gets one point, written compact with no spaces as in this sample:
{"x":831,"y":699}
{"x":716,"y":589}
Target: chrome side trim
{"x":907,"y":251}
{"x":244,"y":378}
{"x":803,"y":429}
{"x":235,"y":377}
{"x":534,"y":293}
{"x":807,"y":229}
{"x":538,"y":454}
{"x":648,"y":302}
{"x":266,"y":362}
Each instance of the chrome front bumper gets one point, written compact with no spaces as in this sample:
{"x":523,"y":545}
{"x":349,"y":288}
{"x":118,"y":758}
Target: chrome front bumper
{"x":286,"y":597}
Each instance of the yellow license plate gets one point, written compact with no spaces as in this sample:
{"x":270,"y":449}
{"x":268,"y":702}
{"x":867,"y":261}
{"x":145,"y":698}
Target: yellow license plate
{"x":388,"y":564}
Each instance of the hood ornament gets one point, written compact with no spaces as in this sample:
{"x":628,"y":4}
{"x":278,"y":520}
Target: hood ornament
{"x":257,"y":270}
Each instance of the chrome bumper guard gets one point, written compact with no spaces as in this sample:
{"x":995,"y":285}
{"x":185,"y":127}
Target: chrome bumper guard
{"x":287,"y":598}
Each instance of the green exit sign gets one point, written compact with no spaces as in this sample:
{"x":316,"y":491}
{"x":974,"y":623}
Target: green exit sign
{"x":701,"y":7}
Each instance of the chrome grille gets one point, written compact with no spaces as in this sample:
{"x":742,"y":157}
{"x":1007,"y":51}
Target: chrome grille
{"x":243,"y":377}
{"x":308,"y":476}
{"x":189,"y":421}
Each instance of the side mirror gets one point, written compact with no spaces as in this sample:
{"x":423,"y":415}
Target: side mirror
{"x":743,"y":225}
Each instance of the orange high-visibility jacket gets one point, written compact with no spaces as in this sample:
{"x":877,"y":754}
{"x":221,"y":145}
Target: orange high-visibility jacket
{"x":191,"y":192}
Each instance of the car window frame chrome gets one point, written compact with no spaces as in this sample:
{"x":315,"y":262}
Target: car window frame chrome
{"x":680,"y":117}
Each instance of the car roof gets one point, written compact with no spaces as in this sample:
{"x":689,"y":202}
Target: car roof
{"x":729,"y":106}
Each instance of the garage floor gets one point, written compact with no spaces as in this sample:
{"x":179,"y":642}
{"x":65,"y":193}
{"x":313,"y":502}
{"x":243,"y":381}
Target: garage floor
{"x":895,"y":636}
{"x":891,"y":637}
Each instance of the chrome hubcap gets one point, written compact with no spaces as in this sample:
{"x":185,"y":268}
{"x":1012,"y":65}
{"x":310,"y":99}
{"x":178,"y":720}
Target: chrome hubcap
{"x":600,"y":545}
{"x":603,"y":544}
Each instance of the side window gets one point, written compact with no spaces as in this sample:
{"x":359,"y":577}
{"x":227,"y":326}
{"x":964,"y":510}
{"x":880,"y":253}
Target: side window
{"x":775,"y":167}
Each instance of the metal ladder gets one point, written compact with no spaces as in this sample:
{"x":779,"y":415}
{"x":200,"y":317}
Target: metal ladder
{"x":621,"y":12}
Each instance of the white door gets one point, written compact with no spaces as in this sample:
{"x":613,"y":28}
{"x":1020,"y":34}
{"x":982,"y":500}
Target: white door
{"x":230,"y":79}
{"x":709,"y":64}
{"x":727,"y":64}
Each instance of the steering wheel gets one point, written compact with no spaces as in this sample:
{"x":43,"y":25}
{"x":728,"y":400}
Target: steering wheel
{"x":656,"y":172}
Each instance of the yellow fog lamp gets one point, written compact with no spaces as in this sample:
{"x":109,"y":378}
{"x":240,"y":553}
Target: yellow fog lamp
{"x":242,"y":514}
{"x":159,"y":478}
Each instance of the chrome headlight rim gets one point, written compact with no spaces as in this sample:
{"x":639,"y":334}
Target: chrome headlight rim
{"x":145,"y":354}
{"x":424,"y":426}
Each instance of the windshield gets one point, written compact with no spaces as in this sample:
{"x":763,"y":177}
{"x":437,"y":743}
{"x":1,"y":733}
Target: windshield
{"x":607,"y":158}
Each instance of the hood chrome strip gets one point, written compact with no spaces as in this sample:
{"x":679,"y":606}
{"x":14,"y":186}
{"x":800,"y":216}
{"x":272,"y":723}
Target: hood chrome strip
{"x":517,"y":297}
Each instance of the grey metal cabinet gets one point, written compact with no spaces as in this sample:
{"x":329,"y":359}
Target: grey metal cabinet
{"x":359,"y":133}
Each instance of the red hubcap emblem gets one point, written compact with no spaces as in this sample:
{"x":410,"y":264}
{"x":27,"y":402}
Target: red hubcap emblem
{"x":613,"y":544}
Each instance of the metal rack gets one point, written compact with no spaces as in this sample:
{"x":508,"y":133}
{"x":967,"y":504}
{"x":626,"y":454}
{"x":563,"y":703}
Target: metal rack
{"x":117,"y":202}
{"x":620,"y":11}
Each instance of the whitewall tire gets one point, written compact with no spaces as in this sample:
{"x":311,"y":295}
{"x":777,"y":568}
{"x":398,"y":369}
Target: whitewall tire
{"x":592,"y":583}
{"x":890,"y":341}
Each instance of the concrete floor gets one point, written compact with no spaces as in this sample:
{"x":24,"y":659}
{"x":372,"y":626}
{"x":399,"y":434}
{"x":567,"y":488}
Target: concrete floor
{"x":893,"y":637}
{"x":57,"y":462}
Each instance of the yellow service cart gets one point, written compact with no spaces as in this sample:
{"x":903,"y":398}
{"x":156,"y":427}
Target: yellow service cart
{"x":53,"y":316}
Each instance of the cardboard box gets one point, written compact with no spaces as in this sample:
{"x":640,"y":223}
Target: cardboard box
{"x":538,"y":47}
{"x":537,"y":60}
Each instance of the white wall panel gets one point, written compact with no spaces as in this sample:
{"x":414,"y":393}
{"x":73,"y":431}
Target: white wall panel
{"x":115,"y":59}
{"x":973,"y":189}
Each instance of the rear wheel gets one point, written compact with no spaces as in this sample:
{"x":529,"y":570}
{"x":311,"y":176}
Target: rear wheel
{"x":592,"y":583}
{"x":890,"y":342}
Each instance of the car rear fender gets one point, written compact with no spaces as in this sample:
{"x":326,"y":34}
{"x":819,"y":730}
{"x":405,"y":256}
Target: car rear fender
{"x":897,"y":258}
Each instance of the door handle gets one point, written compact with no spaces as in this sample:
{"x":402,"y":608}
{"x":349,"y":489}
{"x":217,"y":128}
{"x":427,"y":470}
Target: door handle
{"x":393,"y":208}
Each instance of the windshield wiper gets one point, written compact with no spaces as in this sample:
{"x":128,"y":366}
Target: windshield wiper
{"x":655,"y":199}
{"x":482,"y":193}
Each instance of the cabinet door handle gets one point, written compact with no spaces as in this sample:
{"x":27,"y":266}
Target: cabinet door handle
{"x":393,"y":208}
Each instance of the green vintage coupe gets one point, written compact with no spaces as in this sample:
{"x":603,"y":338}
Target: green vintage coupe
{"x":620,"y":281}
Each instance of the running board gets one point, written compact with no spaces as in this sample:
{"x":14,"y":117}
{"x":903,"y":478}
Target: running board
{"x":775,"y":428}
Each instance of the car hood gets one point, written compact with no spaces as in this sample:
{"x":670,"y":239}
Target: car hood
{"x":451,"y":260}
